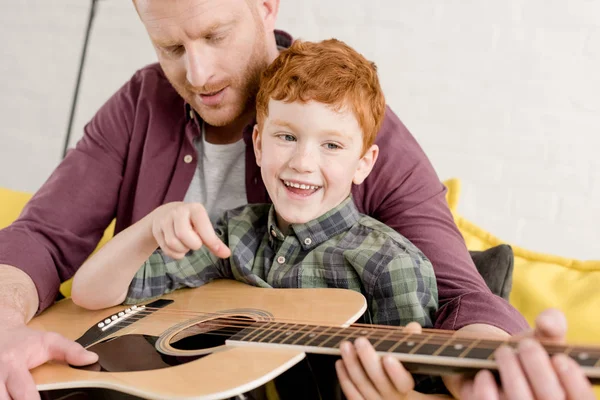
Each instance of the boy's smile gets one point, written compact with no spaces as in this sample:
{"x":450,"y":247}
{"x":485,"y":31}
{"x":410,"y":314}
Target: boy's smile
{"x":310,"y":154}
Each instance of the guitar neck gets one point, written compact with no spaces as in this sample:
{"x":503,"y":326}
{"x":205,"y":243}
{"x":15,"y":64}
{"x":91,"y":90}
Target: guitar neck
{"x":431,"y":352}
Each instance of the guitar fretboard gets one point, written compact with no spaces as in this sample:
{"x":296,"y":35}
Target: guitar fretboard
{"x":394,"y":340}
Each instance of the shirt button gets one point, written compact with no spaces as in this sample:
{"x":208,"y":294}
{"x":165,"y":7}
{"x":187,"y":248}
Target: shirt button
{"x":273,"y":232}
{"x":192,"y":114}
{"x":281,"y":259}
{"x":308,"y":241}
{"x":188,"y":159}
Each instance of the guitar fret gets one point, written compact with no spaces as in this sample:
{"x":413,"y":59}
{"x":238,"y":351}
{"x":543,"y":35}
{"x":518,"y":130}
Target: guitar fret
{"x":284,"y":332}
{"x":272,"y":333}
{"x":584,"y":358}
{"x":473,"y":344}
{"x":403,"y":346}
{"x":302,"y":337}
{"x":249,"y":332}
{"x":292,"y":338}
{"x":317,"y":337}
{"x":484,"y":350}
{"x":443,"y":346}
{"x":454,"y":347}
{"x":426,"y":348}
{"x":263,"y":332}
{"x":390,"y":341}
{"x":383,"y":338}
{"x":335,"y":339}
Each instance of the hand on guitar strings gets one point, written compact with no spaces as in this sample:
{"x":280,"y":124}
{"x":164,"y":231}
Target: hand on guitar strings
{"x":23,"y":348}
{"x":529,"y":373}
{"x":364,"y":375}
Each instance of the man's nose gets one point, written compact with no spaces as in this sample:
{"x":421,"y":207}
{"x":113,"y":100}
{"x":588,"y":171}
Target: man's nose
{"x":199,"y":67}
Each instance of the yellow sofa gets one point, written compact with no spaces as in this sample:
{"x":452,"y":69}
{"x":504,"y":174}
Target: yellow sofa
{"x":539,"y":280}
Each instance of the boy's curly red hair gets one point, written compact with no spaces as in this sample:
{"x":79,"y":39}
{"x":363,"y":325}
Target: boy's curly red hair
{"x":329,"y":72}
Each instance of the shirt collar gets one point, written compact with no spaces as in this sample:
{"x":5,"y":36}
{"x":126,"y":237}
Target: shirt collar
{"x":283,"y":40}
{"x":317,"y":231}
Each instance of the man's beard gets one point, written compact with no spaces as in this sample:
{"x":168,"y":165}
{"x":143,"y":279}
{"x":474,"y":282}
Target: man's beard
{"x":245,"y":87}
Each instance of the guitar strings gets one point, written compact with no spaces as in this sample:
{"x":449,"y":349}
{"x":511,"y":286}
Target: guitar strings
{"x":428,"y":336}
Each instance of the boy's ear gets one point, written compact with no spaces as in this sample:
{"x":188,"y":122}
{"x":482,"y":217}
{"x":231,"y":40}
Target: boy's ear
{"x":365,"y":164}
{"x":257,"y":144}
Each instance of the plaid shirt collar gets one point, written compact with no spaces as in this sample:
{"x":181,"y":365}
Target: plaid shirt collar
{"x":314,"y":232}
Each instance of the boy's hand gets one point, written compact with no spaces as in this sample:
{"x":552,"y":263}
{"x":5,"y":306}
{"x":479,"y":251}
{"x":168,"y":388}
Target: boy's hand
{"x":364,"y":375}
{"x":180,"y":227}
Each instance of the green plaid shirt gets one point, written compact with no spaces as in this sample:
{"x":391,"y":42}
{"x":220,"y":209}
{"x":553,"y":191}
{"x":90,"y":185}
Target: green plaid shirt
{"x":340,"y":249}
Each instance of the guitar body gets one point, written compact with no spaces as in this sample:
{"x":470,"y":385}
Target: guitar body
{"x":144,"y":363}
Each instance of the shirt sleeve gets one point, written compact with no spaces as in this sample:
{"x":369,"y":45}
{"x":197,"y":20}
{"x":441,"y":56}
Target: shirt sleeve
{"x":63,"y":222}
{"x":404,"y":291}
{"x":161,"y":274}
{"x":412,"y":201}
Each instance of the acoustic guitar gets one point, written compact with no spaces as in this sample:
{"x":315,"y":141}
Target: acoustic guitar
{"x":226,"y":338}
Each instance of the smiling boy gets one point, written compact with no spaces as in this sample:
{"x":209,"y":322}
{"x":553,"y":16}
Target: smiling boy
{"x":319,"y":109}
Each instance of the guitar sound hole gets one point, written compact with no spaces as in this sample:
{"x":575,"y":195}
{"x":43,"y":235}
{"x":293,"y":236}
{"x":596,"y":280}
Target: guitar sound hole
{"x":210,"y":334}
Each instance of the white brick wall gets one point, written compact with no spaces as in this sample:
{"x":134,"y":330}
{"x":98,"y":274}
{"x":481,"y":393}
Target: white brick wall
{"x":500,"y":94}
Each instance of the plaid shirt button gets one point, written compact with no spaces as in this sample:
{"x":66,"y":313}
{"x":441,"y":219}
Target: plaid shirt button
{"x":281,"y":259}
{"x":308,"y":241}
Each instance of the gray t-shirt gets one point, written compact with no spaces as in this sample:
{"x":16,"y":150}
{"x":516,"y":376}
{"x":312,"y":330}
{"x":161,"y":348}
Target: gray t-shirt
{"x":219,"y":180}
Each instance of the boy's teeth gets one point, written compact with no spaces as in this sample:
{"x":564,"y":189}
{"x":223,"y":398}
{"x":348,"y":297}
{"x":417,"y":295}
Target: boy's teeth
{"x":300,"y":185}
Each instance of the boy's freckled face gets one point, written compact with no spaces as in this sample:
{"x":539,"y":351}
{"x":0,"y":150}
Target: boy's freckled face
{"x":309,"y":154}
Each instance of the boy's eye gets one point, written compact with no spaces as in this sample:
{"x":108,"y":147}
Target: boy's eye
{"x":288,"y":138}
{"x":332,"y":146}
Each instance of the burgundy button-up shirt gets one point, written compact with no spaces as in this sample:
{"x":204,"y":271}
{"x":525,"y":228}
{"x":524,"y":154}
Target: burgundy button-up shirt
{"x":138,"y":153}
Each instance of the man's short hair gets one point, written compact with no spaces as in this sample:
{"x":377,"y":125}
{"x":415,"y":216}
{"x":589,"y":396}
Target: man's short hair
{"x":329,"y":72}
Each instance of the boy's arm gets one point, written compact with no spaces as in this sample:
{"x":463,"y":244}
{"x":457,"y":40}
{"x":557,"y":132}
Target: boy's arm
{"x":102,"y":281}
{"x":113,"y":274}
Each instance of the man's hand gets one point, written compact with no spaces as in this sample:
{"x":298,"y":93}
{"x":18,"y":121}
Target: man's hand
{"x":179,"y":227}
{"x":22,"y":349}
{"x":529,"y":373}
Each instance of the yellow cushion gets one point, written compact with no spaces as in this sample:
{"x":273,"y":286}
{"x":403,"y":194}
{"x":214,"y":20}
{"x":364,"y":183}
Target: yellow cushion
{"x":541,"y":280}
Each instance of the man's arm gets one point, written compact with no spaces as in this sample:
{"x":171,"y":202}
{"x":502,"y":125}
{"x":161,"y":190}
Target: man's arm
{"x":63,"y":222}
{"x":404,"y":192}
{"x":18,"y":297}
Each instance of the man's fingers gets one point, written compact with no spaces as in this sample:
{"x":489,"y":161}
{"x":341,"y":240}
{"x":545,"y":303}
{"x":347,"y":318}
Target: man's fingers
{"x":539,"y":370}
{"x":60,"y":348}
{"x":205,"y":230}
{"x":574,"y":382}
{"x":356,"y":372}
{"x":346,"y":384}
{"x":513,"y":379}
{"x":398,"y":375}
{"x":551,"y":325}
{"x":20,"y":385}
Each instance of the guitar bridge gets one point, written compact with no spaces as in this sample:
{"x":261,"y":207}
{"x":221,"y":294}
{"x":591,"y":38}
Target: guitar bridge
{"x":120,"y":320}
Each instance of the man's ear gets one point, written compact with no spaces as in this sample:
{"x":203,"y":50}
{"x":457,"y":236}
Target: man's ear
{"x":257,"y":144}
{"x":268,"y":10}
{"x":365,"y":164}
